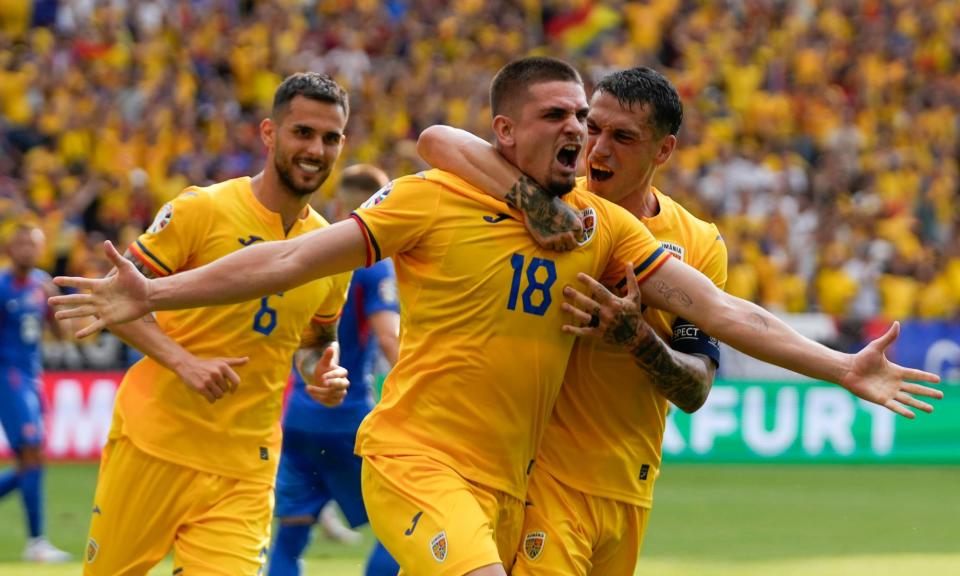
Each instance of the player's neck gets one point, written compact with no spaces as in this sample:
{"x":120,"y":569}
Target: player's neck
{"x":274,"y":197}
{"x":643,"y":203}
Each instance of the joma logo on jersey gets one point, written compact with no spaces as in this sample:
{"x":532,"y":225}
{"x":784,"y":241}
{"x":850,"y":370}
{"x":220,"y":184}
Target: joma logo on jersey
{"x":533,"y":544}
{"x":438,"y":547}
{"x":675,"y":249}
{"x":500,"y":217}
{"x":588,"y":216}
{"x":251,"y":239}
{"x":413,"y":525}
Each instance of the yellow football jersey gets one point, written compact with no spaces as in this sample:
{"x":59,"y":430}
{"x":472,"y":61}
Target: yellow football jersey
{"x":482,"y":354}
{"x":605,"y":435}
{"x":239,"y":435}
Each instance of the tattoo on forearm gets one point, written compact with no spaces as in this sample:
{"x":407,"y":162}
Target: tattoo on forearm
{"x":672,"y":294}
{"x":521,"y":190}
{"x":676,"y":381}
{"x":758,"y":323}
{"x":623,"y":329}
{"x":546,"y":214}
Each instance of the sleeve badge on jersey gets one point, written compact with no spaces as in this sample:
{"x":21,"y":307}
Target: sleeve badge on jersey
{"x":589,"y":218}
{"x":675,"y":249}
{"x":378,"y":196}
{"x":438,"y":547}
{"x":533,"y":544}
{"x":163,"y":218}
{"x":92,"y":549}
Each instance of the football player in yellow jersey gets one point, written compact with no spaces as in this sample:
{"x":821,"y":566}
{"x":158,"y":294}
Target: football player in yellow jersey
{"x":483,"y":340}
{"x":194,"y":445}
{"x":592,"y":487}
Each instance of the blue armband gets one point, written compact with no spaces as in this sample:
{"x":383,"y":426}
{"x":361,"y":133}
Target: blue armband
{"x":689,"y":339}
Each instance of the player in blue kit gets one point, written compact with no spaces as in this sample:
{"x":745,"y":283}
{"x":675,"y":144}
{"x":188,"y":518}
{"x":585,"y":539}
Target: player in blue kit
{"x":317,"y":463}
{"x":23,"y":312}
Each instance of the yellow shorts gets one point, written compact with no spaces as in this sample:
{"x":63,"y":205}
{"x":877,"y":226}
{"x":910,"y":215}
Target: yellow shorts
{"x":434,"y":521}
{"x":569,"y":533}
{"x":145,"y":506}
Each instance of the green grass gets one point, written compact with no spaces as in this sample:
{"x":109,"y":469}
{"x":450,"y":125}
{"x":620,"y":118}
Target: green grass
{"x":747,"y":513}
{"x":709,"y":520}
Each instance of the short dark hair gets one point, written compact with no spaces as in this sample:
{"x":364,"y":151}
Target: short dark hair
{"x":514,"y":79}
{"x":363,"y":178}
{"x":646,"y":87}
{"x":312,"y":85}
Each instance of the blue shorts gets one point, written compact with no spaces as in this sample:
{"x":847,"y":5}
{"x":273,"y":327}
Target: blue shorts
{"x":21,"y":411}
{"x":317,"y":468}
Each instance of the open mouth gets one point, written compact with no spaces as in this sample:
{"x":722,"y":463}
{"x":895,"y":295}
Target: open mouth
{"x":599,"y":173}
{"x":567,"y":156}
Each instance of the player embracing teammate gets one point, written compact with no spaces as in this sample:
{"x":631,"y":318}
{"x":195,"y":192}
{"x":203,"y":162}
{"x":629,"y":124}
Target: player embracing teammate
{"x":449,"y":451}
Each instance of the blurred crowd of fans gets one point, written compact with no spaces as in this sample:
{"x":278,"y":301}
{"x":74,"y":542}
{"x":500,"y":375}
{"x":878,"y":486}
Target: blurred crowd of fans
{"x":821,"y":135}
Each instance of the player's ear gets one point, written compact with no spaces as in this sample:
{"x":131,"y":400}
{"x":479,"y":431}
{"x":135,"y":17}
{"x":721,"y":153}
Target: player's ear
{"x":268,"y":132}
{"x":503,"y":128}
{"x":667,"y":145}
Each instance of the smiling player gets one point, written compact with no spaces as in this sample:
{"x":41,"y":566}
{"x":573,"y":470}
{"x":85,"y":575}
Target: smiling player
{"x":193,"y":449}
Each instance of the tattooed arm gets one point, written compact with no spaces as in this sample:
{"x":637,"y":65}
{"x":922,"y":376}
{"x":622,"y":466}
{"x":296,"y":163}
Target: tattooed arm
{"x":209,"y":377}
{"x":684,"y":379}
{"x":317,"y":360}
{"x":553,"y":223}
{"x":685,"y":292}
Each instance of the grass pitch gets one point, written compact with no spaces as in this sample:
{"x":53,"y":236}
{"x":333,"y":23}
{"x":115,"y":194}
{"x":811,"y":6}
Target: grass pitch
{"x":708,"y":520}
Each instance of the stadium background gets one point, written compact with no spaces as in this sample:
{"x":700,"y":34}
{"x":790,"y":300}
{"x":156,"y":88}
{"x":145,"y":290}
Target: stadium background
{"x":821,"y":136}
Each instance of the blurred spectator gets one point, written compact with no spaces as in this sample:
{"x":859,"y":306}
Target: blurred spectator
{"x":821,"y":135}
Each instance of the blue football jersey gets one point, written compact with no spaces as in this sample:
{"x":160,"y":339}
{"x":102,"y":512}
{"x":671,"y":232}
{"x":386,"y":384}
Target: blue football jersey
{"x":23,"y":310}
{"x":372,"y":290}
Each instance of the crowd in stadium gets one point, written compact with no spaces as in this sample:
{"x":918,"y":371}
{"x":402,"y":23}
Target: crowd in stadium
{"x":821,"y":136}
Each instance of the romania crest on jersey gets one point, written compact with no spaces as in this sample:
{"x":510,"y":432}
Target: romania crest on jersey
{"x":438,"y":547}
{"x":533,"y":544}
{"x":588,"y":216}
{"x":92,"y":549}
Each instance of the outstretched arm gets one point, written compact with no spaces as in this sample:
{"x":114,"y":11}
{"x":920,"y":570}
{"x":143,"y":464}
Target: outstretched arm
{"x":687,"y":293}
{"x":258,"y":270}
{"x":554,"y":224}
{"x":749,"y":328}
{"x":212,"y":378}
